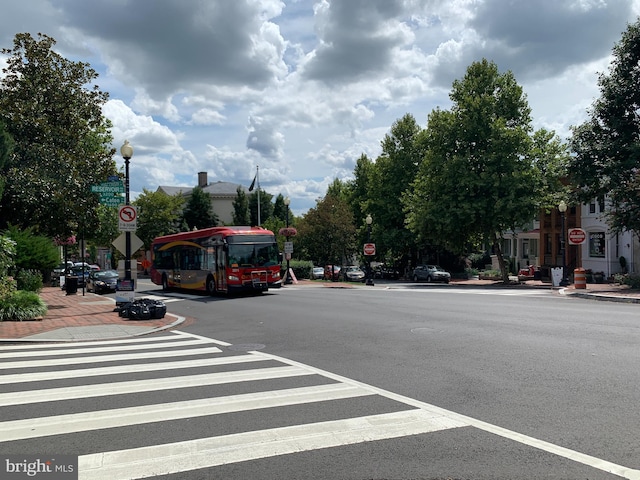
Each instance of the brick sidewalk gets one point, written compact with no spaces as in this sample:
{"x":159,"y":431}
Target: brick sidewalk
{"x":73,"y":311}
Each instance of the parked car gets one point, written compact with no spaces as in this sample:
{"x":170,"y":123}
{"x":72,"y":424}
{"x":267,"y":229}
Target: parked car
{"x":82,"y":271}
{"x":100,"y":281}
{"x":387,"y":272}
{"x":353,"y":273}
{"x":431,"y":273}
{"x":317,"y":272}
{"x":332,"y":272}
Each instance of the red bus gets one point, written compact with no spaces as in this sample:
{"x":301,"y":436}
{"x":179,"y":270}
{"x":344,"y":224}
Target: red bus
{"x":217,"y":260}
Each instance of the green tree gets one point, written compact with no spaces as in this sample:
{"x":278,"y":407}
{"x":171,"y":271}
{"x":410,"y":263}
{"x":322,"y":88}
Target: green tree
{"x":326,"y":233}
{"x":7,"y":146}
{"x":62,"y":141}
{"x":607,"y":146}
{"x":33,"y":252}
{"x":279,"y":208}
{"x":477,"y":179}
{"x":241,"y":208}
{"x":389,"y":178}
{"x":266,"y":207}
{"x":158,"y":214}
{"x":198,"y":212}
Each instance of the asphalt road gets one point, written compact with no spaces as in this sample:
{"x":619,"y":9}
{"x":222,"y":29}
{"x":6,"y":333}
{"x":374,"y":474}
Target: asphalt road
{"x":516,"y":385}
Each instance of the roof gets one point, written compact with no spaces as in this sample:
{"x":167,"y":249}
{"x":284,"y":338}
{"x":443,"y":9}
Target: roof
{"x":216,"y":189}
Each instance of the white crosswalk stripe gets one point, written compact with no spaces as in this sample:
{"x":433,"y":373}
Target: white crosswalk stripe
{"x":128,"y":396}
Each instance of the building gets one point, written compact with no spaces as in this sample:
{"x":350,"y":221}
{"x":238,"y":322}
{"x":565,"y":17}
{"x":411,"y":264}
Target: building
{"x":540,"y":244}
{"x":222,"y":195}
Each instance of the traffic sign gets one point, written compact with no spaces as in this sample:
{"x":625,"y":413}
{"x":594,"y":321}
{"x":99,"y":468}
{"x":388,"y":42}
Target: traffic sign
{"x":369,"y":249}
{"x":108,"y":187}
{"x":121,"y":243}
{"x":576,"y":236}
{"x":288,"y":247}
{"x":127,"y":215}
{"x":111,"y":200}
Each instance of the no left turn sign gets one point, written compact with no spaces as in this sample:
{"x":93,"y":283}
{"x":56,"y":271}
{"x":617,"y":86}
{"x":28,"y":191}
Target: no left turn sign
{"x":127,"y":218}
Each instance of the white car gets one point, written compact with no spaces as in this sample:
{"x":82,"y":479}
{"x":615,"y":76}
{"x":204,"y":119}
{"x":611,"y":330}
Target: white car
{"x":354,"y":274}
{"x":317,"y":273}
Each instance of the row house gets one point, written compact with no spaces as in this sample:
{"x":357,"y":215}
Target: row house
{"x":540,"y":243}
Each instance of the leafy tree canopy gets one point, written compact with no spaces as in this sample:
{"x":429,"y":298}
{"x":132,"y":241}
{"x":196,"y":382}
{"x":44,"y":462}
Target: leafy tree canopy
{"x":158,"y":214}
{"x":241,"y":208}
{"x":476,"y":179}
{"x":607,"y":146}
{"x":198,"y":212}
{"x":62,"y":141}
{"x":33,"y":252}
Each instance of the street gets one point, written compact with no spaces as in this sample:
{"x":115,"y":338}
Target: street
{"x":415,"y":382}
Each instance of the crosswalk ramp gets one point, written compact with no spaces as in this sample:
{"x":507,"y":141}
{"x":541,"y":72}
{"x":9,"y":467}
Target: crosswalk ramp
{"x":81,"y":397}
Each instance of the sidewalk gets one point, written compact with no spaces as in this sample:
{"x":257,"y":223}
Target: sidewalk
{"x":77,"y":317}
{"x":91,"y":317}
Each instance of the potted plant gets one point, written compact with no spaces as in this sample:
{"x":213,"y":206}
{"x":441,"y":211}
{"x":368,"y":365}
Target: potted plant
{"x":598,"y":277}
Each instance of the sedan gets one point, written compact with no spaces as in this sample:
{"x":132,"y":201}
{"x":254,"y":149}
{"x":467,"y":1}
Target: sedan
{"x":354,"y":274}
{"x":431,"y":273}
{"x":317,"y":273}
{"x":101,"y":281}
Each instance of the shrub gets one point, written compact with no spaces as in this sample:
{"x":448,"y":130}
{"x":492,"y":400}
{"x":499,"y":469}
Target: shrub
{"x":21,"y":306}
{"x":301,"y":268}
{"x":29,"y":280}
{"x":631,"y":279}
{"x":7,"y":286}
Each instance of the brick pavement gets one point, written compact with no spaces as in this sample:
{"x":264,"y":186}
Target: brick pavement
{"x":77,"y":310}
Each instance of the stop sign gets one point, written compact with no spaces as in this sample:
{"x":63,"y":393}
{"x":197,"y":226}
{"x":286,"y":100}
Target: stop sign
{"x":576,"y":236}
{"x":369,"y":248}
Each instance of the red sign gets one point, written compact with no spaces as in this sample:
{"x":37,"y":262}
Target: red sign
{"x":577,"y":236}
{"x":369,"y":248}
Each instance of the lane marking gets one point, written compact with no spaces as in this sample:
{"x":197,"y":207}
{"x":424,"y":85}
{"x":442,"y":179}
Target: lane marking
{"x":108,"y":358}
{"x":123,"y":417}
{"x":124,"y":369}
{"x":149,"y":385}
{"x":209,"y":452}
{"x":560,"y":451}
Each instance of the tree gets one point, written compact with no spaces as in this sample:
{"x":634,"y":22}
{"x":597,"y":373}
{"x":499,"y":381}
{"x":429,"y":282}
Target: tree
{"x":477,"y":179}
{"x":266,"y":207}
{"x":390,"y":177}
{"x":198,"y":212}
{"x":33,"y":252}
{"x":158,"y":214}
{"x":241,"y":208}
{"x":6,"y":152}
{"x":607,"y":146}
{"x":62,"y":141}
{"x":326,"y":233}
{"x":279,"y":208}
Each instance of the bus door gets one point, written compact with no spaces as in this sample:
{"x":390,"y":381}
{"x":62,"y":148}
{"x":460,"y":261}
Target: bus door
{"x":221,"y":268}
{"x":176,"y":267}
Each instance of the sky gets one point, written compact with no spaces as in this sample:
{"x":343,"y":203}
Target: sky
{"x":298,"y":90}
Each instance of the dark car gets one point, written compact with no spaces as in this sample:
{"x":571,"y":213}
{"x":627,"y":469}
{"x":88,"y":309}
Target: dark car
{"x":100,"y":281}
{"x":431,"y":273}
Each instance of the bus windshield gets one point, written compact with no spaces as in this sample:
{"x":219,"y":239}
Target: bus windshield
{"x":253,"y":255}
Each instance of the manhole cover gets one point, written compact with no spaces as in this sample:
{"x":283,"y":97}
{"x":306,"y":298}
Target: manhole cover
{"x":246,"y":347}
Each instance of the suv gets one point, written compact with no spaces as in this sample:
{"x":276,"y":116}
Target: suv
{"x":431,"y":273}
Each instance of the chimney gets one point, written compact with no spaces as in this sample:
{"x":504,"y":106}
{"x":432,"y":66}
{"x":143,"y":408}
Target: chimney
{"x":202,"y":179}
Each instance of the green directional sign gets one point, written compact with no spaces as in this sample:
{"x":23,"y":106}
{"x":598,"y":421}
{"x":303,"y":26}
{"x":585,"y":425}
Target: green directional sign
{"x":111,"y":200}
{"x":108,"y":187}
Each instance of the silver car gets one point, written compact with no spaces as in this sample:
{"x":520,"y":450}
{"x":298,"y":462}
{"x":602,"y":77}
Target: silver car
{"x":431,"y":273}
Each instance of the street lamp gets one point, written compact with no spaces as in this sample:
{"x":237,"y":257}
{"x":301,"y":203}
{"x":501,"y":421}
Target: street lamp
{"x":562,"y":208}
{"x":287,"y":202}
{"x":127,"y":152}
{"x":369,"y":221}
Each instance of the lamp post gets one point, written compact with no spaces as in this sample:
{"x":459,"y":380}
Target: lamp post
{"x":562,"y":208}
{"x":127,"y":152}
{"x":369,"y":221}
{"x":287,"y":202}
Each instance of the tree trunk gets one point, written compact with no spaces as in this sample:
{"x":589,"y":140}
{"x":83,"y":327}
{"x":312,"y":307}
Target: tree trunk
{"x":503,"y":268}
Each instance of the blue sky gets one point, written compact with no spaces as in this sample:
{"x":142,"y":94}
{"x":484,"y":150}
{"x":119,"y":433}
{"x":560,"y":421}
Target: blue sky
{"x":303,"y":88}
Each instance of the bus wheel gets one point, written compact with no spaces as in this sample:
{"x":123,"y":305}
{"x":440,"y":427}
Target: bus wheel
{"x":165,"y":283}
{"x":211,"y":286}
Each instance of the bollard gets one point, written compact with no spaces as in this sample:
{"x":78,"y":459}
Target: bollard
{"x":580,"y":278}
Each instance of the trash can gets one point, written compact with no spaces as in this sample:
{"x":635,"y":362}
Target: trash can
{"x":71,"y":285}
{"x":579,"y":278}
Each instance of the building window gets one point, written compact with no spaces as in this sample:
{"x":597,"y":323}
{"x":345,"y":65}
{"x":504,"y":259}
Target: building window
{"x":592,"y":207}
{"x":601,"y":205}
{"x":525,"y":249}
{"x":596,"y":244}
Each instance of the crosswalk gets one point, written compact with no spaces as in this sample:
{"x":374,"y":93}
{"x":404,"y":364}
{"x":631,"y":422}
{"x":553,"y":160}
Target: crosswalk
{"x":152,"y":406}
{"x":45,"y":379}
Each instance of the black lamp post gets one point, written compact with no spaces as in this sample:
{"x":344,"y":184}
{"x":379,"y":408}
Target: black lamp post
{"x":369,"y":221}
{"x":127,"y":152}
{"x":287,"y":202}
{"x":562,"y":208}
